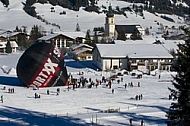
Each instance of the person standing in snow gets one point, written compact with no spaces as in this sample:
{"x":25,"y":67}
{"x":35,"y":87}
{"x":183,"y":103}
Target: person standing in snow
{"x":121,"y":79}
{"x":13,"y":90}
{"x":131,"y":84}
{"x":35,"y":95}
{"x":47,"y":91}
{"x":141,"y":96}
{"x":109,"y":84}
{"x":142,"y":122}
{"x":131,"y":121}
{"x":138,"y":84}
{"x":112,"y":91}
{"x":2,"y":98}
{"x":136,"y":97}
{"x":9,"y":90}
{"x":125,"y":85}
{"x":58,"y":90}
{"x":118,"y":81}
{"x":159,"y":76}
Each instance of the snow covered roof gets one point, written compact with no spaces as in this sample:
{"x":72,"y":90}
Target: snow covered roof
{"x":132,"y":51}
{"x":80,"y":45}
{"x":48,"y":37}
{"x":75,"y":34}
{"x":72,"y":35}
{"x":81,"y":50}
{"x":146,"y":39}
{"x":132,"y":42}
{"x":6,"y":34}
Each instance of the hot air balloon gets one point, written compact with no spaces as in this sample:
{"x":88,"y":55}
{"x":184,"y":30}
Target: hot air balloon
{"x":42,"y":65}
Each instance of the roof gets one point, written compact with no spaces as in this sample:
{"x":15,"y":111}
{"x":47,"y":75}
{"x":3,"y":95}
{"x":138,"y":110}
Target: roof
{"x":72,"y":35}
{"x":129,"y":41}
{"x":48,"y":37}
{"x":80,"y":45}
{"x":132,"y":51}
{"x":10,"y":34}
{"x":126,"y":28}
{"x":81,"y":50}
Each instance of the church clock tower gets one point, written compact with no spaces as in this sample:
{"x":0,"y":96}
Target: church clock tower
{"x":110,"y":23}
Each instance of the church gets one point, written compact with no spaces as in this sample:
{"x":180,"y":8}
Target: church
{"x":112,"y":30}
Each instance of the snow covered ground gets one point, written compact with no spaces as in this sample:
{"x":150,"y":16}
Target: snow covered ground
{"x":83,"y":106}
{"x":86,"y":20}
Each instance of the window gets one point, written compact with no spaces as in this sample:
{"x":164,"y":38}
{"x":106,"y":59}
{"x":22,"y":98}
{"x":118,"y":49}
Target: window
{"x":115,"y":67}
{"x":112,"y":21}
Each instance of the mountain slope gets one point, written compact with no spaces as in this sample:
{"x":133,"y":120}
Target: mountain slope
{"x":14,"y":16}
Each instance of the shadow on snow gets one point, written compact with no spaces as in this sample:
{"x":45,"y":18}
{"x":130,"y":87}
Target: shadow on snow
{"x":11,"y":81}
{"x":11,"y":116}
{"x":150,"y":119}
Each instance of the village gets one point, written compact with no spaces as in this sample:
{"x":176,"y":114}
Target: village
{"x":119,"y":70}
{"x":130,"y":55}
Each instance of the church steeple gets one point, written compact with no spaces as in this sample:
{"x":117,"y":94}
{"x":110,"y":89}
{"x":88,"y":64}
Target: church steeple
{"x":110,"y":22}
{"x":110,"y":12}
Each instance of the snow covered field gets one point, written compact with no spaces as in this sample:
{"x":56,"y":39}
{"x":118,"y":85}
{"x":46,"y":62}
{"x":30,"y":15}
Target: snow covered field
{"x":83,"y":106}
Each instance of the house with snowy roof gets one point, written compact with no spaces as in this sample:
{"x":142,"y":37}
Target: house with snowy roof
{"x":14,"y":46}
{"x":63,"y":39}
{"x":146,"y":57}
{"x":81,"y":51}
{"x":12,"y":36}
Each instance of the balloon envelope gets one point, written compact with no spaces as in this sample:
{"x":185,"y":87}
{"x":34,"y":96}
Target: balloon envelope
{"x":42,"y":65}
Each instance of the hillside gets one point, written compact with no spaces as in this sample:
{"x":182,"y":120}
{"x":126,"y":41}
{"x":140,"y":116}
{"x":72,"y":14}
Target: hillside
{"x":14,"y":16}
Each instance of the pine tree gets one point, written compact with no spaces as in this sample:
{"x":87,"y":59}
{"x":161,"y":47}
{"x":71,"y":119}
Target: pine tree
{"x":121,"y":35}
{"x":179,"y":111}
{"x":35,"y":33}
{"x":8,"y":47}
{"x":88,"y":39}
{"x":136,"y":35}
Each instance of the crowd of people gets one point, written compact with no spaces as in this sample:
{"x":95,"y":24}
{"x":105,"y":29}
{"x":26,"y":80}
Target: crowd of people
{"x":10,"y":90}
{"x":83,"y":82}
